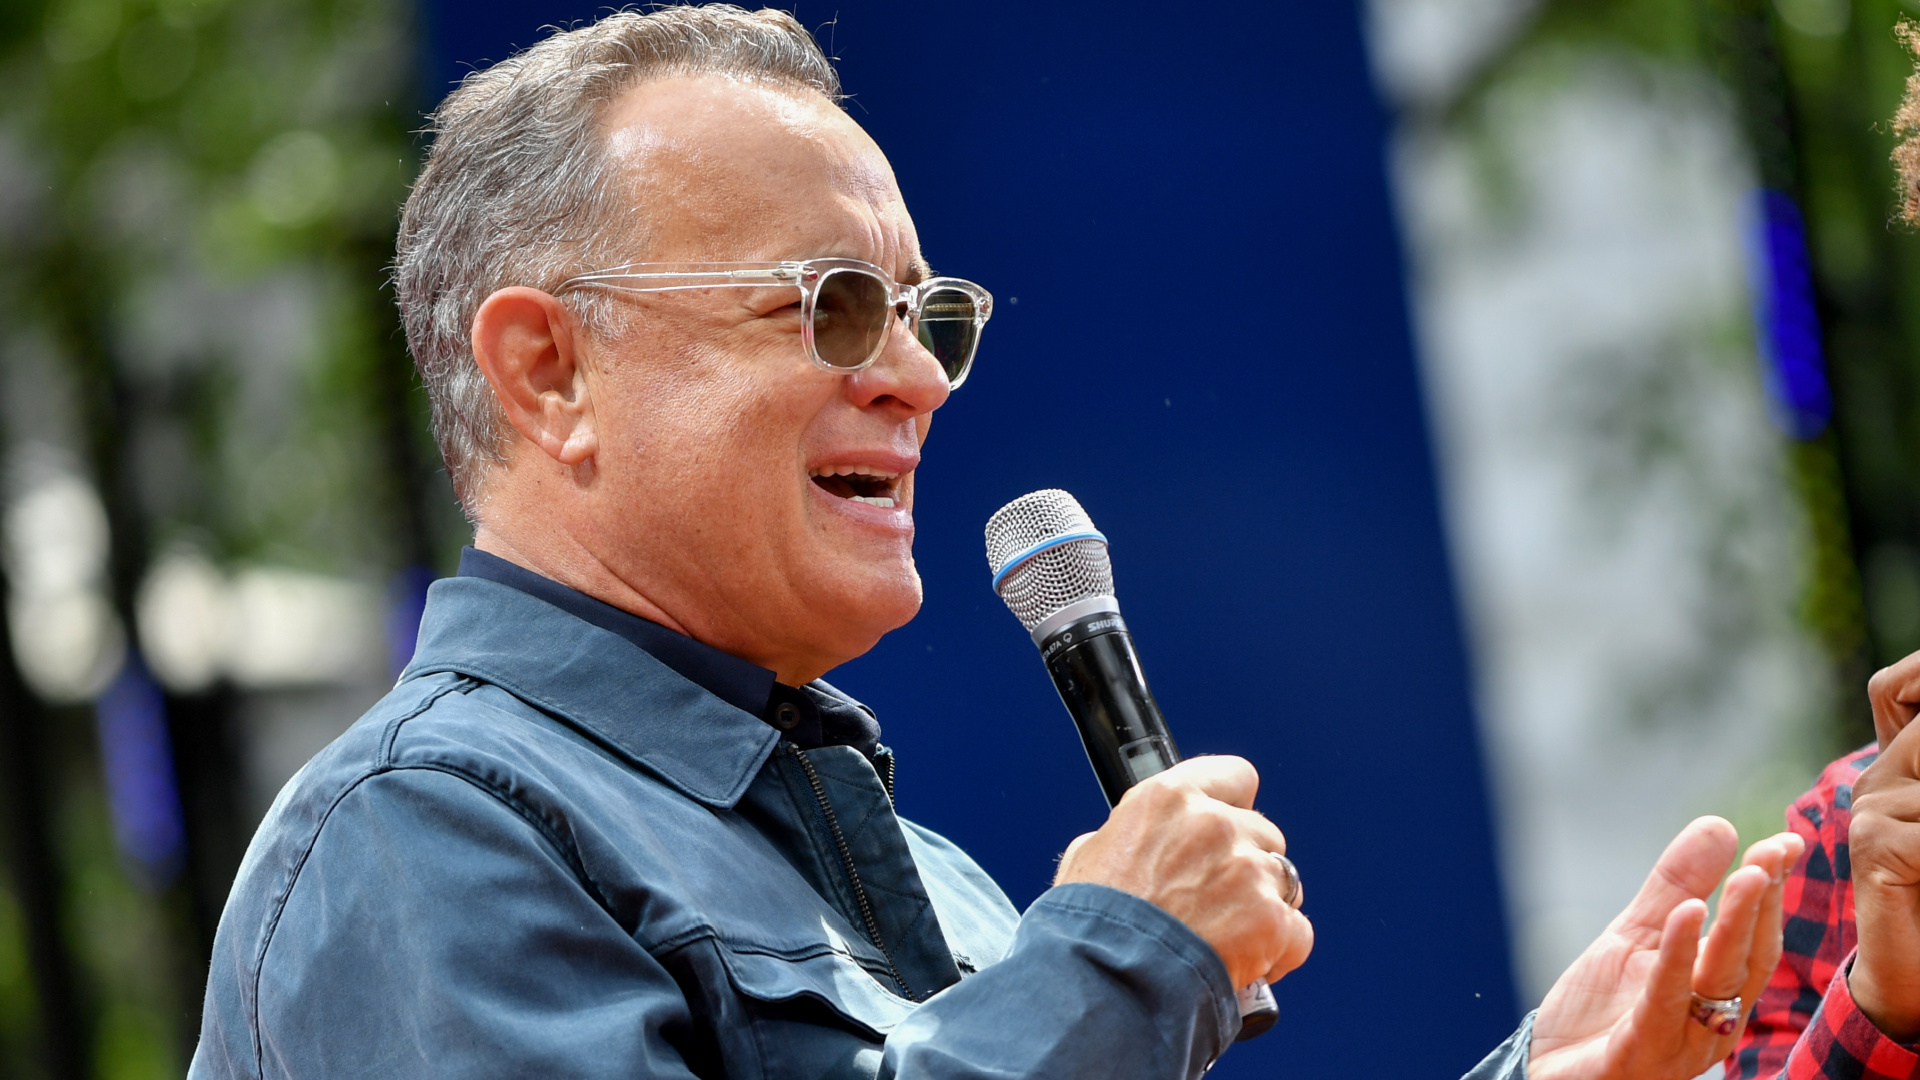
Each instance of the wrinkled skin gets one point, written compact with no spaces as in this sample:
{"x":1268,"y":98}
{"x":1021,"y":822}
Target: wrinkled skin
{"x":669,"y":469}
{"x":1883,"y":841}
{"x":1621,"y":1011}
{"x":1189,"y":841}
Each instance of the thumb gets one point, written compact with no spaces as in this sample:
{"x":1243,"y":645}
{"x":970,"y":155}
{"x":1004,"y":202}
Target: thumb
{"x":1231,"y":780}
{"x":1894,"y":692}
{"x":1898,"y":763}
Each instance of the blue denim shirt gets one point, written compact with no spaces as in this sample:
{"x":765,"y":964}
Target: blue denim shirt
{"x":545,"y":853}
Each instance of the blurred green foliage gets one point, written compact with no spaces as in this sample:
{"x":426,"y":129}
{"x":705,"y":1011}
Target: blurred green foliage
{"x":1844,"y":75}
{"x":198,"y":200}
{"x":17,"y":1006}
{"x":1814,"y":84}
{"x":1824,"y":136}
{"x":221,"y":183}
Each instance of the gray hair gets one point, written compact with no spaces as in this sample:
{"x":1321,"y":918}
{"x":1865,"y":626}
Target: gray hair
{"x":518,"y":189}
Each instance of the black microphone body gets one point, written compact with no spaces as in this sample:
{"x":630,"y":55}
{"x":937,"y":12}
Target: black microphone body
{"x":1097,"y":671}
{"x":1050,"y":565}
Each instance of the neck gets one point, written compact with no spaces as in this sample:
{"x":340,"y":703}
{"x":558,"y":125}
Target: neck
{"x":577,"y":568}
{"x":565,"y":560}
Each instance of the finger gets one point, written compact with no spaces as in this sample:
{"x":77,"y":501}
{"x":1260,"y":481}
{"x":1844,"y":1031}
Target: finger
{"x":1796,"y":846}
{"x":1721,"y":970}
{"x":1776,"y":854}
{"x":1899,"y":760}
{"x":1066,"y":857}
{"x":1232,"y":780}
{"x":1287,"y":886}
{"x":1894,"y":692}
{"x":1260,"y":837}
{"x":1669,"y":987}
{"x":1688,"y":870}
{"x":1258,"y":829}
{"x":1299,"y":898}
{"x":1764,"y":954}
{"x":1299,"y":944}
{"x":1885,"y":846}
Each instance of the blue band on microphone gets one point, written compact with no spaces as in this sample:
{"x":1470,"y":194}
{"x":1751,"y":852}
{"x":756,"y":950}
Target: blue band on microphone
{"x":1045,"y":545}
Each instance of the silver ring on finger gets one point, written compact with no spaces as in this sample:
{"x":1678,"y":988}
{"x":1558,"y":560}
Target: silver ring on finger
{"x":1718,"y":1015}
{"x":1289,"y":880}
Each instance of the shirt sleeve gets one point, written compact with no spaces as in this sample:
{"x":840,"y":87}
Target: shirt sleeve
{"x":434,"y":931}
{"x":1091,"y":970}
{"x":1842,"y":1044}
{"x":1508,"y":1060}
{"x":1805,"y":1024}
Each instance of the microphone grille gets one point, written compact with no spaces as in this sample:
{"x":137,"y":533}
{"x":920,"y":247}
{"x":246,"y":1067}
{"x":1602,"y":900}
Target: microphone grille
{"x":1045,"y":554}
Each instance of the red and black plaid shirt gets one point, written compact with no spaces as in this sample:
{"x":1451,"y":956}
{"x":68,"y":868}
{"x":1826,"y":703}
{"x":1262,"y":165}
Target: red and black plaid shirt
{"x":1805,"y":1025}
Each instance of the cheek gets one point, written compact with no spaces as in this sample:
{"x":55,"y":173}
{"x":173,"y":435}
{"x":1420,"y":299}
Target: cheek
{"x":723,"y":437}
{"x":727,"y":418}
{"x":671,"y":428}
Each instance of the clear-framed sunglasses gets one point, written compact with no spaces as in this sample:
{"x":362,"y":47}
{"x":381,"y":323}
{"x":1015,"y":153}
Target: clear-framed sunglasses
{"x":847,"y":307}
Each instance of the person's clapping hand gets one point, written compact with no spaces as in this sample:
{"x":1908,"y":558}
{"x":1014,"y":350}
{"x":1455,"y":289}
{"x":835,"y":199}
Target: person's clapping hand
{"x":1883,"y":842}
{"x":1625,"y":1010}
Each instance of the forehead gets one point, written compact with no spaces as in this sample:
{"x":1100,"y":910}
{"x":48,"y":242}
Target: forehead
{"x":728,"y":169}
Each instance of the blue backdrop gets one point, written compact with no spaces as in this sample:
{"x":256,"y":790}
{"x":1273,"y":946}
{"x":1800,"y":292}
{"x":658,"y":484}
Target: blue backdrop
{"x":1202,"y":333}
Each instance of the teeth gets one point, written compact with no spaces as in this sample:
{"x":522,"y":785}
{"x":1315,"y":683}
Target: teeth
{"x":854,"y":470}
{"x":873,"y":500}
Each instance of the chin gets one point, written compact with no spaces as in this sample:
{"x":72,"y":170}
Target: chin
{"x":872,"y":607}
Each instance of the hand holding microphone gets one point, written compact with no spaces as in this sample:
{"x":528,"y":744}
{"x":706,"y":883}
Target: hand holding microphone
{"x":1188,"y":841}
{"x":1182,"y":835}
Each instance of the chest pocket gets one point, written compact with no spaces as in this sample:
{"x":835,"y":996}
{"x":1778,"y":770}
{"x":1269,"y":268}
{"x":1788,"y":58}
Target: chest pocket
{"x":821,"y":1016}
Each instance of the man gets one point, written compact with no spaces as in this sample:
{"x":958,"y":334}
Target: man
{"x":683,"y":351}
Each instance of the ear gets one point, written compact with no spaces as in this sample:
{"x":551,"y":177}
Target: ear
{"x":523,"y":340}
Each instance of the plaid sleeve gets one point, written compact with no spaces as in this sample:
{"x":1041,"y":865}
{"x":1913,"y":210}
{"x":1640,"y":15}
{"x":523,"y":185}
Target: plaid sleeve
{"x":1805,"y":1014}
{"x":1842,"y":1044}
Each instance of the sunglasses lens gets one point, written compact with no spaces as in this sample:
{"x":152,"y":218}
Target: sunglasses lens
{"x":950,"y":331}
{"x":850,"y":313}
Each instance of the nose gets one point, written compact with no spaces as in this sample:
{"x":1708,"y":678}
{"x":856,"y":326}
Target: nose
{"x":904,"y":378}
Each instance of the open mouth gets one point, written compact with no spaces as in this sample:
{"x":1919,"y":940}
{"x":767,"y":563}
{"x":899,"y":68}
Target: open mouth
{"x":859,"y":483}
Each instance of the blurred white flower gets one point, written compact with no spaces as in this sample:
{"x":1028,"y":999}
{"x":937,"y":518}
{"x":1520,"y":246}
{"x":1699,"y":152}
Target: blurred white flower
{"x":56,"y":534}
{"x":182,"y":614}
{"x":264,"y":628}
{"x":289,"y":628}
{"x":66,"y":639}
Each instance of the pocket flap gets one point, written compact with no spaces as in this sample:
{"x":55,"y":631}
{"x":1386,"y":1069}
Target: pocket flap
{"x":831,"y":978}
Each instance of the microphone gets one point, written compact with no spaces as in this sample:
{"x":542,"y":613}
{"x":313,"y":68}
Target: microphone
{"x":1050,"y":565}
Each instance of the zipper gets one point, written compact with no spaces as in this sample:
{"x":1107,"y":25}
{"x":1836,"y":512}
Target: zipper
{"x":846,"y":862}
{"x":886,"y":775}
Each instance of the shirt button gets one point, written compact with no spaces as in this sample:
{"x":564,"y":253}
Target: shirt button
{"x":786,"y":716}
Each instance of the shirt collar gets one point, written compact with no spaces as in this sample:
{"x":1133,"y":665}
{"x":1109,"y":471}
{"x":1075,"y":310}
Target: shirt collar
{"x":819,"y":714}
{"x":740,"y":683}
{"x":597,"y":680}
{"x":810,"y":716}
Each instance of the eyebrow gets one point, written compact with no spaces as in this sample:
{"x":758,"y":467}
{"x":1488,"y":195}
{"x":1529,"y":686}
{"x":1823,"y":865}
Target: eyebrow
{"x":917,"y":271}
